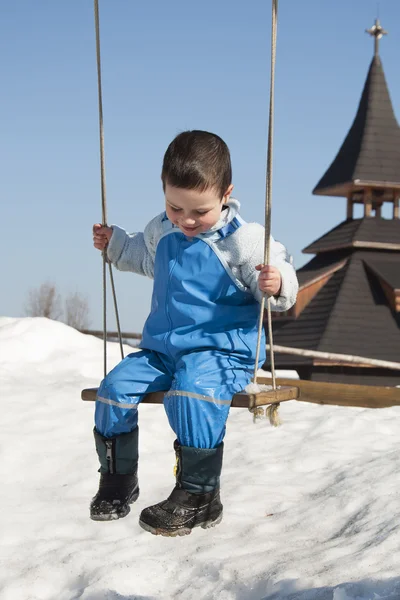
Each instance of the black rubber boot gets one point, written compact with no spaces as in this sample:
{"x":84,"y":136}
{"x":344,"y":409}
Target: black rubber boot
{"x":118,"y":476}
{"x":116,"y":493}
{"x":195,"y":500}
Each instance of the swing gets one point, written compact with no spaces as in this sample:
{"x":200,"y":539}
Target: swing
{"x":279,"y":390}
{"x":251,"y":400}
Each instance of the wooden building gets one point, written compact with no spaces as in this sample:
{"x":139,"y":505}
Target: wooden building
{"x":349,"y":296}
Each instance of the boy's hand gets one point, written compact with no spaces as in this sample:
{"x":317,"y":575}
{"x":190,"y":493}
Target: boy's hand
{"x":270,"y":280}
{"x":101,"y":236}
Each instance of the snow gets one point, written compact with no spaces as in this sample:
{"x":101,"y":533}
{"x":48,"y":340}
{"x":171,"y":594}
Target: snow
{"x":311,"y":509}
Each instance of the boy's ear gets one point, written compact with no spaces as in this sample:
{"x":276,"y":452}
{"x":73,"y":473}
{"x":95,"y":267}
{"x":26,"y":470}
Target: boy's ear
{"x":227,"y":194}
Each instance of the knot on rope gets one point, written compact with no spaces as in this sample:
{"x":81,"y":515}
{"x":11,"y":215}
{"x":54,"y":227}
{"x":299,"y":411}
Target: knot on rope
{"x":271,"y":412}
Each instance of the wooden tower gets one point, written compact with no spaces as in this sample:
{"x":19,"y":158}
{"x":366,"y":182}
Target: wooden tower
{"x":349,"y":295}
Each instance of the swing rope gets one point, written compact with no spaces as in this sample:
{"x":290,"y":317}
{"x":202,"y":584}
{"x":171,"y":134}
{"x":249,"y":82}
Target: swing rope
{"x":104,"y":201}
{"x":272,"y":410}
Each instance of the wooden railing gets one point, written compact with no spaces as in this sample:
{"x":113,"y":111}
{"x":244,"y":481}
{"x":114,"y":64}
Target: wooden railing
{"x":112,"y":334}
{"x":328,"y":357}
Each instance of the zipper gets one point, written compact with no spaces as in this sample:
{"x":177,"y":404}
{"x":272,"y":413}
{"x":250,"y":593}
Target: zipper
{"x":110,"y":455}
{"x":167,"y":299}
{"x":178,"y":468}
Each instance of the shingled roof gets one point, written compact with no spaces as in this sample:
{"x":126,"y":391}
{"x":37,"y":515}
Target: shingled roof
{"x":350,"y":314}
{"x":357,"y":233}
{"x":387,"y":268}
{"x":319,"y":267}
{"x":371,"y":151}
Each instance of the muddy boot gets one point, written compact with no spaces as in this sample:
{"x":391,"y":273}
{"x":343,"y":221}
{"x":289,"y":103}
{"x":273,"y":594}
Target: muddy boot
{"x":195,"y":500}
{"x":118,"y":476}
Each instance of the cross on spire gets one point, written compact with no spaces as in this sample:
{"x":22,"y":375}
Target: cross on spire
{"x":377,"y":32}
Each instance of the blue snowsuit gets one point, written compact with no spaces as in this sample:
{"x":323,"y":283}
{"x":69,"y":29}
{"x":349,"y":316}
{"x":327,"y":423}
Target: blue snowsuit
{"x":198,"y":343}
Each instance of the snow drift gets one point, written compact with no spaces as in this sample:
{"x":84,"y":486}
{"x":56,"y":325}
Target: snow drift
{"x":311,"y":509}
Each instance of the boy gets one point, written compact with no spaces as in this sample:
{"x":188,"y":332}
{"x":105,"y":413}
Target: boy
{"x":200,"y":337}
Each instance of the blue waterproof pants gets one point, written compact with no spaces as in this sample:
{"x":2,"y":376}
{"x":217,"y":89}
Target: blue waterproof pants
{"x":199,"y":388}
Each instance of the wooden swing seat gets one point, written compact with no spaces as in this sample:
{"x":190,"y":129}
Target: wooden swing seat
{"x":337,"y":394}
{"x":240,"y":400}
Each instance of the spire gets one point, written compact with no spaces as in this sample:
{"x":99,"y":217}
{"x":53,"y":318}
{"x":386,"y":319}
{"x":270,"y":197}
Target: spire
{"x":376,"y":32}
{"x":370,"y":154}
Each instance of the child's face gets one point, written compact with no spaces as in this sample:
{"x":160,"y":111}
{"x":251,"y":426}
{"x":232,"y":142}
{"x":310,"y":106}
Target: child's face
{"x":192,"y":211}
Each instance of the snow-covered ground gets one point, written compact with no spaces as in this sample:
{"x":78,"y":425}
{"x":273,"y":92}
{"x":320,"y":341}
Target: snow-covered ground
{"x":311,"y":509}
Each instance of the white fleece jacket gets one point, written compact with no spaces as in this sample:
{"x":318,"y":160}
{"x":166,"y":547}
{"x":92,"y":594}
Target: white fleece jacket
{"x":243,"y":250}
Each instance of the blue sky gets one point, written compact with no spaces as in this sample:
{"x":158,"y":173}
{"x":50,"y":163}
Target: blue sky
{"x":167,"y":67}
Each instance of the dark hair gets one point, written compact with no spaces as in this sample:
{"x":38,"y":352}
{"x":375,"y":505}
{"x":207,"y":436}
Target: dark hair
{"x":197,"y":160}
